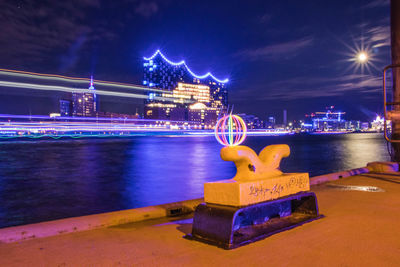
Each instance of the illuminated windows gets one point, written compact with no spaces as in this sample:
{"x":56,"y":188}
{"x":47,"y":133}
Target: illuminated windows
{"x":184,"y":87}
{"x":197,"y":92}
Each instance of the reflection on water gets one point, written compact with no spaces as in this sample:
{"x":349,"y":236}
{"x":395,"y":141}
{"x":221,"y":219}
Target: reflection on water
{"x":45,"y":180}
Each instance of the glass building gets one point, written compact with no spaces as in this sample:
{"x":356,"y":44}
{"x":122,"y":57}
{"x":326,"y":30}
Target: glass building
{"x":185,"y":88}
{"x":84,"y":104}
{"x":65,"y":108}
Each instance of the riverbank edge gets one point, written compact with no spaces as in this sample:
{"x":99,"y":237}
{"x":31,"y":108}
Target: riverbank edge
{"x":102,"y":220}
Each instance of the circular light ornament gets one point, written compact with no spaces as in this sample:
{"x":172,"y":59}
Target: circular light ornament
{"x":230,"y":130}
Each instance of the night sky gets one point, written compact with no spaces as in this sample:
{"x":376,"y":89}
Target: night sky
{"x":292,"y":55}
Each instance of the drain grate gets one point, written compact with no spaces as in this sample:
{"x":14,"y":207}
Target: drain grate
{"x":356,"y":188}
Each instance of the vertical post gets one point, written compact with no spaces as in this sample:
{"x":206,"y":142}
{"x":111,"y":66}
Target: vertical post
{"x":395,"y":45}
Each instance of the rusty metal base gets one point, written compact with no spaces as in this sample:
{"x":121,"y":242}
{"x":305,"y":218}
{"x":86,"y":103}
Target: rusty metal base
{"x":230,"y":227}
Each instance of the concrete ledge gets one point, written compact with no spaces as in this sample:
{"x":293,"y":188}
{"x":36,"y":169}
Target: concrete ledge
{"x":337,"y":175}
{"x":84,"y":223}
{"x":379,"y":166}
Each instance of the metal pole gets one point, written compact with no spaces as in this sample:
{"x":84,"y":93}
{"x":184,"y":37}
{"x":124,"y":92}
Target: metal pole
{"x":395,"y":44}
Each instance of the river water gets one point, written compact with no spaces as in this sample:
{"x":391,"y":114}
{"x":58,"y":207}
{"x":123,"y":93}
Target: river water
{"x":46,"y":180}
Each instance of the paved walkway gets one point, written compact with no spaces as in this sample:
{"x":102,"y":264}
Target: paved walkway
{"x":360,"y":229}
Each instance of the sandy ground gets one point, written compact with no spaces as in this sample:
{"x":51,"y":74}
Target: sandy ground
{"x":360,"y":229}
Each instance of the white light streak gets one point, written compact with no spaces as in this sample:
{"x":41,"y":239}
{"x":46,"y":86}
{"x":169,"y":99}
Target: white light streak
{"x":74,"y":90}
{"x":51,"y":77}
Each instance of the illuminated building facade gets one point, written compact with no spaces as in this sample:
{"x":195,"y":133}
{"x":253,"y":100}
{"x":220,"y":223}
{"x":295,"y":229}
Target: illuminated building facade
{"x":330,"y":120}
{"x":195,"y":92}
{"x":184,"y":86}
{"x":252,"y":122}
{"x":204,"y":116}
{"x":270,"y":122}
{"x":162,"y":111}
{"x":65,"y":108}
{"x":162,"y":73}
{"x":84,"y":104}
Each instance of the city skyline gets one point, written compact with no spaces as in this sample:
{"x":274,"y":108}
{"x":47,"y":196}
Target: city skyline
{"x":272,"y":64}
{"x":69,"y":104}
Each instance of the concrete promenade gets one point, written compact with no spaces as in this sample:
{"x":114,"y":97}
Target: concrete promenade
{"x":360,"y":228}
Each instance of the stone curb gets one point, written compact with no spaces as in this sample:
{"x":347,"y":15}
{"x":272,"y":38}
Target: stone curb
{"x":316,"y":180}
{"x":95,"y":221}
{"x":377,"y":166}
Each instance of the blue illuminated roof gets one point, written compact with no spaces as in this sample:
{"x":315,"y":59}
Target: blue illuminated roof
{"x":208,"y":74}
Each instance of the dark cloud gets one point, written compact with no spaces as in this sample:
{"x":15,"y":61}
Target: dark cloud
{"x":309,"y":87}
{"x":37,"y":32}
{"x":71,"y":58}
{"x":91,"y":3}
{"x":377,"y":3}
{"x":146,"y":9}
{"x":265,"y":18}
{"x":379,"y":35}
{"x":283,"y":50}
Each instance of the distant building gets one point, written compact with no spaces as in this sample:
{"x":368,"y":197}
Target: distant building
{"x":181,"y":89}
{"x":195,"y":92}
{"x":65,"y":108}
{"x":353,"y":125}
{"x":270,"y":122}
{"x":162,"y":73}
{"x":159,"y":111}
{"x":252,"y":122}
{"x":379,"y":124}
{"x":364,"y":126}
{"x":330,"y":120}
{"x":84,"y":104}
{"x":203,"y":115}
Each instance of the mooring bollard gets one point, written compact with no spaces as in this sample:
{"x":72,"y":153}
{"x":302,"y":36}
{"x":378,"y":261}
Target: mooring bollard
{"x":259,"y":201}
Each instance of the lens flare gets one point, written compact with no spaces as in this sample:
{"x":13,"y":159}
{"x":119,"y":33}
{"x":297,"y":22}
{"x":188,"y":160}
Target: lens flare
{"x":362,"y":57}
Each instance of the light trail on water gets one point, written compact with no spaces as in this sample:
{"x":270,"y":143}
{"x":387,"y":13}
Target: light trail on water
{"x":63,"y":118}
